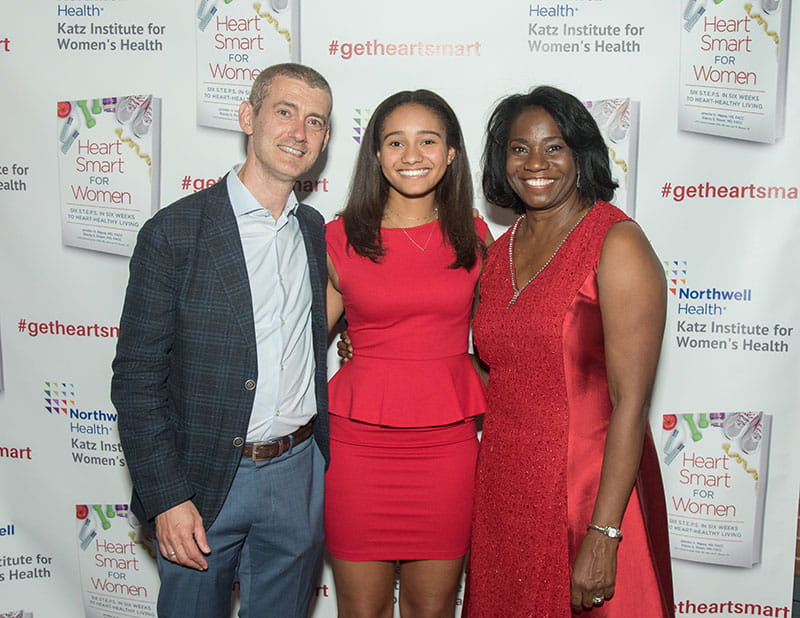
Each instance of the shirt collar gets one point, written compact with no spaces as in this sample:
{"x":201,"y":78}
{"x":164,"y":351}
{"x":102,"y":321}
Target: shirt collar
{"x":244,"y":203}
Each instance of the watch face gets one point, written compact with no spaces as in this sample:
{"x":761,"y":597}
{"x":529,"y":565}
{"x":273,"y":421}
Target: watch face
{"x":610,"y":531}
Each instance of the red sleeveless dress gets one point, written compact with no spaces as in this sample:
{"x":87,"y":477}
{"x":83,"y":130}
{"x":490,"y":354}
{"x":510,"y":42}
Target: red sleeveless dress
{"x":543,"y":440}
{"x":402,"y":410}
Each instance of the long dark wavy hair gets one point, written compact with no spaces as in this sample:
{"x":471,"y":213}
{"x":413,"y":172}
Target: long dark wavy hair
{"x":369,"y":189}
{"x":578,"y":129}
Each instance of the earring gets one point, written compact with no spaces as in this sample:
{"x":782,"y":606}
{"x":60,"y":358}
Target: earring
{"x":578,"y":180}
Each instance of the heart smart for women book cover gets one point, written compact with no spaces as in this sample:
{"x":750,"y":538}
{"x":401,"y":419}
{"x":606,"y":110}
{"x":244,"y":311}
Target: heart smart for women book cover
{"x":715,"y":469}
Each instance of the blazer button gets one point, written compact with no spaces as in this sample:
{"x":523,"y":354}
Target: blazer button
{"x":238,"y":441}
{"x":250,"y":384}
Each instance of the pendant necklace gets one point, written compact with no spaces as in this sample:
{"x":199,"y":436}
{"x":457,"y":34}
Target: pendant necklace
{"x":433,"y":215}
{"x":518,"y":291}
{"x":424,"y":247}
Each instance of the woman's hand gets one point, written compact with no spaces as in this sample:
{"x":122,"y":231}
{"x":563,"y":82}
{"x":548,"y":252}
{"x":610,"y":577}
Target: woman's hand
{"x":344,"y":347}
{"x":594,"y":572}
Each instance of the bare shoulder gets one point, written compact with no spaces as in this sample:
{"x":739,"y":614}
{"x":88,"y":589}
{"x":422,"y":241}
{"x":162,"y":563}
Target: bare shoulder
{"x":625,"y":237}
{"x":627,"y":254}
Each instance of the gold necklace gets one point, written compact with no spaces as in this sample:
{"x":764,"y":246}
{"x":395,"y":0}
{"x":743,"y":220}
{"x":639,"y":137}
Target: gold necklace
{"x":424,"y":247}
{"x":518,"y":291}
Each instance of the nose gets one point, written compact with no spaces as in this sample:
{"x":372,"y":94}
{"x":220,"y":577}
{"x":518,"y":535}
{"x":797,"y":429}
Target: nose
{"x":535,"y":161}
{"x":411,"y":154}
{"x":298,"y":130}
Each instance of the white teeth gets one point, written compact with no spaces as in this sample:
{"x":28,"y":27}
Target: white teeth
{"x":294,"y":151}
{"x":538,"y":182}
{"x":421,"y":172}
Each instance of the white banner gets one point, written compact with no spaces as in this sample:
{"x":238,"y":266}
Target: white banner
{"x":694,"y":99}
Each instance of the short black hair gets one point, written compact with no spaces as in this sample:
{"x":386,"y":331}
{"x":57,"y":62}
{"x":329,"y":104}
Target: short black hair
{"x":579,"y":130}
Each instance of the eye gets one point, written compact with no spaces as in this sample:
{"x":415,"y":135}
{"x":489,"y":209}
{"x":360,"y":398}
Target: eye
{"x":428,"y":142}
{"x":517,"y":149}
{"x":394,"y":143}
{"x":283,"y":112}
{"x":315,"y":123}
{"x":554,"y":148}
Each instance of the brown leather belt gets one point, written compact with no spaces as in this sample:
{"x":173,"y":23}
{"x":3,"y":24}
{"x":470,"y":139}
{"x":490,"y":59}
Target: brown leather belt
{"x":264,"y":451}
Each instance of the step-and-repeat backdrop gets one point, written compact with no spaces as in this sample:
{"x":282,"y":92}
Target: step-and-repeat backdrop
{"x":113,"y":108}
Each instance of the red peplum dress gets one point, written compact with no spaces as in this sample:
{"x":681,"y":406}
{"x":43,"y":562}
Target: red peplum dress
{"x":403,"y":437}
{"x":543,"y":440}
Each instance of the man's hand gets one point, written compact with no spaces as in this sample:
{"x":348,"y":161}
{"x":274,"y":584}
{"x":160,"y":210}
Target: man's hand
{"x":181,"y":536}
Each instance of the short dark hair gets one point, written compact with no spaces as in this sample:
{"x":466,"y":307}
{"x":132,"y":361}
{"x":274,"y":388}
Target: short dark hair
{"x":263,"y":81}
{"x":369,"y":188}
{"x":579,"y":130}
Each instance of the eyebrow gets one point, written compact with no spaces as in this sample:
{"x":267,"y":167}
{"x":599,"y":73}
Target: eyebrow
{"x":294,"y":107}
{"x":544,"y":139}
{"x":436,"y":133}
{"x":286,"y":103}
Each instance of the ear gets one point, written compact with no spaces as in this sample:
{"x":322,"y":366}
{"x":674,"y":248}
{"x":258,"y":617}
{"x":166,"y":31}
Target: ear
{"x":326,"y":138}
{"x":246,"y":117}
{"x":451,"y":155}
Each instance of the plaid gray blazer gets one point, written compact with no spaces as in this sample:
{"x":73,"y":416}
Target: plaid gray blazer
{"x":186,"y":348}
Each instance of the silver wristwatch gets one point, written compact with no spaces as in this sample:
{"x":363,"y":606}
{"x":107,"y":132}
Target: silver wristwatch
{"x":610,"y":531}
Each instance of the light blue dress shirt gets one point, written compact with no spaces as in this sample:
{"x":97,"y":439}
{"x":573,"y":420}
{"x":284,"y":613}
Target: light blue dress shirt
{"x":277,"y":266}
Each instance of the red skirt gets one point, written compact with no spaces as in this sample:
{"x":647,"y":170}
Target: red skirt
{"x":399,"y":493}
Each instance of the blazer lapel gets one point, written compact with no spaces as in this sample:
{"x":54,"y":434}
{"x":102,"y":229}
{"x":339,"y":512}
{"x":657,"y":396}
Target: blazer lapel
{"x":314,"y":240}
{"x":221,"y":238}
{"x":313,"y":232}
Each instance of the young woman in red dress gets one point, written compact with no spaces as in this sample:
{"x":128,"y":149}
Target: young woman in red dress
{"x":403,"y":263}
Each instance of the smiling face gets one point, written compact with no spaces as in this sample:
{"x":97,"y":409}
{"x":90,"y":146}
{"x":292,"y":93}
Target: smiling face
{"x":289,"y":131}
{"x":540,"y":167}
{"x":413,"y":151}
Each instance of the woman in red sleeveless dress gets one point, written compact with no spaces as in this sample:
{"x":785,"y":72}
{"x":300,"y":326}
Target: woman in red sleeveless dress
{"x":403,"y":262}
{"x":570,"y":321}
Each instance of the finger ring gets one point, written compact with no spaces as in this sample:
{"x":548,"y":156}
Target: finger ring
{"x":170,"y":554}
{"x":597,"y":600}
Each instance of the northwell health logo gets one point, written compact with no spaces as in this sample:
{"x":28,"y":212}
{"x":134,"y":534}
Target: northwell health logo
{"x":91,"y":434}
{"x":59,"y":397}
{"x":361,"y":117}
{"x":675,"y":270}
{"x":705,"y":300}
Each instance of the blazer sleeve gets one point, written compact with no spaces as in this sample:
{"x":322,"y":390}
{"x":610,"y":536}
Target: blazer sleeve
{"x":141,"y":368}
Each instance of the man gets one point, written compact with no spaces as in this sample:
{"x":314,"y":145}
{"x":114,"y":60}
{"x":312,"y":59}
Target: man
{"x":220,"y":375}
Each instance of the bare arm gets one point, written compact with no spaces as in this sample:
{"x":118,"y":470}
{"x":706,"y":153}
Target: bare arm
{"x":335,"y":305}
{"x":480,"y":367}
{"x":477,"y":295}
{"x":633,"y":305}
